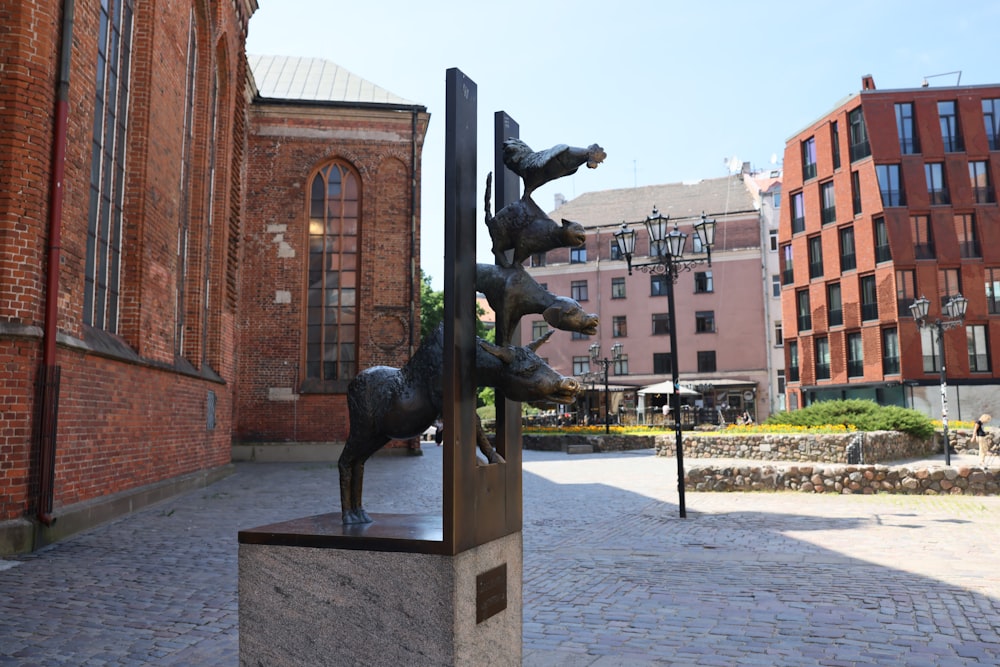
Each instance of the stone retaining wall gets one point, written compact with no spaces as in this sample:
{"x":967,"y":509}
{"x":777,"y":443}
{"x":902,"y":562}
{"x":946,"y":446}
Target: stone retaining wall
{"x":864,"y":479}
{"x":876,"y":446}
{"x":598,"y":443}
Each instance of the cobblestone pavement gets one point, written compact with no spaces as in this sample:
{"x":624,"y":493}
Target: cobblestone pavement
{"x":612,"y":575}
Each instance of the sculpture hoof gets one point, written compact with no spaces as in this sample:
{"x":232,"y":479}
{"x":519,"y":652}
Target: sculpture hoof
{"x":353,"y":517}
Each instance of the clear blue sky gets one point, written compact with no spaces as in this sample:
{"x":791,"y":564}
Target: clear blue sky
{"x":671,"y":90}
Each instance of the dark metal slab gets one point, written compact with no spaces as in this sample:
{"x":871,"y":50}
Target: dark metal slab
{"x":404,"y":533}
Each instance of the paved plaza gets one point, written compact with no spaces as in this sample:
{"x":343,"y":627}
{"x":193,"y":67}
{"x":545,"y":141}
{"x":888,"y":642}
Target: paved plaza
{"x":612,"y":575}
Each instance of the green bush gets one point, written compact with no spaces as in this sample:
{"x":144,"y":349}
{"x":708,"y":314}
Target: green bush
{"x":862,"y":414}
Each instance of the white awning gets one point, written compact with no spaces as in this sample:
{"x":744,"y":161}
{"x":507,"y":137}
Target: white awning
{"x":667,"y":388}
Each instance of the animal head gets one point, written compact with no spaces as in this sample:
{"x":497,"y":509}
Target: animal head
{"x":568,"y":315}
{"x":573,"y":234}
{"x":524,"y":376}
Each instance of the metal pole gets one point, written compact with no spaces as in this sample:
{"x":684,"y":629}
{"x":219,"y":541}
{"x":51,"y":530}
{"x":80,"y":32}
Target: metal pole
{"x":675,"y":379}
{"x":944,"y":394}
{"x":607,"y":417}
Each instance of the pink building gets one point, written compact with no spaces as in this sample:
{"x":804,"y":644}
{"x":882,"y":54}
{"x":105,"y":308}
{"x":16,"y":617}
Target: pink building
{"x":721,"y":325}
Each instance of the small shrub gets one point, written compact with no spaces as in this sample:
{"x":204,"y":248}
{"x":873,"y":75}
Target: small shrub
{"x":860,"y":414}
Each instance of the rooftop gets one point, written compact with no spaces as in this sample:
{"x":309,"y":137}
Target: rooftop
{"x":715,"y":197}
{"x":313,"y":79}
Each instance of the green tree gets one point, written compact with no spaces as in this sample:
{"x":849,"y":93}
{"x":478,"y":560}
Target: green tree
{"x":431,"y":306}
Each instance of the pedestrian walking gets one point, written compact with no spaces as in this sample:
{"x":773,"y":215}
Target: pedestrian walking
{"x":980,"y":435}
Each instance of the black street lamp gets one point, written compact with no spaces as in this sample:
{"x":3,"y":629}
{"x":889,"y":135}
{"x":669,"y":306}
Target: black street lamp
{"x":595,"y":356}
{"x":954,"y":310}
{"x":666,"y":252}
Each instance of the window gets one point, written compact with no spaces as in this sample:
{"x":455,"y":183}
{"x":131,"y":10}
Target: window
{"x":889,"y":185}
{"x":704,"y":321}
{"x":107,"y":170}
{"x":331,"y":321}
{"x":949,"y":282}
{"x":773,"y":238}
{"x":882,"y":250}
{"x":979,"y":353}
{"x":706,"y":361}
{"x":809,"y":159}
{"x":856,"y":192}
{"x":991,"y":115}
{"x":781,"y":381}
{"x":993,"y":291}
{"x":538,"y":329}
{"x":798,"y":213}
{"x":802,"y":310}
{"x":869,"y":298}
{"x":578,"y":255}
{"x":835,"y":143}
{"x":906,"y":291}
{"x":787,"y":273}
{"x":662,"y":363}
{"x":822,"y":358}
{"x":834,"y":306}
{"x":620,"y":365}
{"x":578,"y":290}
{"x":576,"y":335}
{"x":793,"y":361}
{"x":657,"y":285}
{"x":581,"y":365}
{"x":965,"y":230}
{"x":181,"y":291}
{"x":661,"y":324}
{"x":538,"y":259}
{"x":848,"y":259}
{"x":703,"y":282}
{"x":979,"y":178}
{"x":905,"y":129}
{"x":776,"y":195}
{"x":890,"y":352}
{"x":815,"y":257}
{"x":615,"y":252}
{"x":858,"y":138}
{"x":923,"y":239}
{"x":929,"y":350}
{"x":829,"y":210}
{"x":779,"y":338}
{"x":951,"y":133}
{"x":775,"y":286}
{"x":619,"y":326}
{"x":618,"y":288}
{"x":937,"y":187}
{"x":855,"y":356}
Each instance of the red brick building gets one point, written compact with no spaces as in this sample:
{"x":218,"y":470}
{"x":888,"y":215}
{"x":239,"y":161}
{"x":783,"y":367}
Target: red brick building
{"x":122,"y":144}
{"x":890,"y":197}
{"x":181,"y":259}
{"x":331,"y":264}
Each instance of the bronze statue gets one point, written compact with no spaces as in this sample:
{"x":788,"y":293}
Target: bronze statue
{"x":398,"y":403}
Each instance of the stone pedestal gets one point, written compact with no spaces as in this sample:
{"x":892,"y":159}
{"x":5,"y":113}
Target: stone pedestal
{"x":314,"y":592}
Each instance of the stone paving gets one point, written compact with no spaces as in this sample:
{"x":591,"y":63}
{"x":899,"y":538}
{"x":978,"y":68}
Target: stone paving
{"x":612,"y":575}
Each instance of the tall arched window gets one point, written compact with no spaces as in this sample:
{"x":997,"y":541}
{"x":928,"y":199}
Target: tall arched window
{"x":331,"y":327}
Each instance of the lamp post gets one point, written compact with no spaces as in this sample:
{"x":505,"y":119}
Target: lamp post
{"x":954,"y":310}
{"x":666,"y":256}
{"x":595,"y":356}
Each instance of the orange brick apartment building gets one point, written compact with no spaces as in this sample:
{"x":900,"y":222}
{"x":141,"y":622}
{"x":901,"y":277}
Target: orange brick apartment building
{"x":179,"y":259}
{"x":890,"y":196}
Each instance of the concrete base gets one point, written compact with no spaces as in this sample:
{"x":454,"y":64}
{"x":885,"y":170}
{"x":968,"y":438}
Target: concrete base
{"x":303,"y":601}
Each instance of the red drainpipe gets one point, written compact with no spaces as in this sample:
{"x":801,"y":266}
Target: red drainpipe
{"x":50,"y":379}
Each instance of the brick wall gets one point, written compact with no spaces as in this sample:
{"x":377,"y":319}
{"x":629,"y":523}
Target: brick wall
{"x":288,"y":145}
{"x":131,"y":413}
